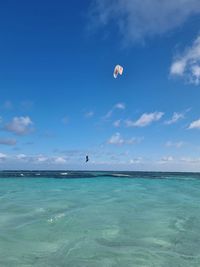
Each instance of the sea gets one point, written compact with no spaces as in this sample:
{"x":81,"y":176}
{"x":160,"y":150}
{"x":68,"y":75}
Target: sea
{"x":99,"y":219}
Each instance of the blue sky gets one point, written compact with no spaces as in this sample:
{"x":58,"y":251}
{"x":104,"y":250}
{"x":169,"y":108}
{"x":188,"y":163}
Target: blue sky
{"x":59,"y":100}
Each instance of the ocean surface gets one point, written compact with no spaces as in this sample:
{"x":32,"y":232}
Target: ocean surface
{"x":99,"y":219}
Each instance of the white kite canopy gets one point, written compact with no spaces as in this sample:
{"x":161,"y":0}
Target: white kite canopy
{"x":118,"y":70}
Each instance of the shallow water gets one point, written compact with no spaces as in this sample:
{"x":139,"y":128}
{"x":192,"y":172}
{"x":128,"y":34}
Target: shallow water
{"x":100,"y":222}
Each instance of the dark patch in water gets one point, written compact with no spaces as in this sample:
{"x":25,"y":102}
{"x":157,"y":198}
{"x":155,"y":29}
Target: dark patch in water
{"x":101,"y":174}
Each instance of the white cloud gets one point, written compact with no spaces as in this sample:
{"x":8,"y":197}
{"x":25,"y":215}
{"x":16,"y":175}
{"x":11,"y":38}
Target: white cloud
{"x":188,"y":64}
{"x":167,"y":159}
{"x":136,"y":160}
{"x":138,"y":20}
{"x":117,"y":139}
{"x":19,"y":125}
{"x":190,"y":160}
{"x":145,"y":120}
{"x":3,"y":156}
{"x":178,"y":68}
{"x":120,"y":106}
{"x":175,"y":117}
{"x":41,"y":159}
{"x":102,"y":160}
{"x":89,"y":114}
{"x":194,"y":125}
{"x":21,"y":156}
{"x":8,"y":141}
{"x":174,"y":144}
{"x":117,"y":123}
{"x":59,"y":160}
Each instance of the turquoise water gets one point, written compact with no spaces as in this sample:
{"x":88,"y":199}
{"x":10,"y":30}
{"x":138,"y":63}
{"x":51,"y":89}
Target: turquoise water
{"x":100,"y":222}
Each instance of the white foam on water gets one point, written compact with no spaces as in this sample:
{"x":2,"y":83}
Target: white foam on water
{"x":40,"y":210}
{"x":179,"y":224}
{"x":56,"y":217}
{"x":157,"y":241}
{"x":120,"y":175}
{"x":110,"y":233}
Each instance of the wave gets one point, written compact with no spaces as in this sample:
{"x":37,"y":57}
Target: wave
{"x":100,"y":174}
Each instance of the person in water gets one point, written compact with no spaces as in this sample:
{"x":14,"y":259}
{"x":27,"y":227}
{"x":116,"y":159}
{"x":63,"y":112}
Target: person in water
{"x":86,"y":158}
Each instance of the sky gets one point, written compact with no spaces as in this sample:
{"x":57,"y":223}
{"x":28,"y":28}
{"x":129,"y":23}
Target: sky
{"x":60,"y":102}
